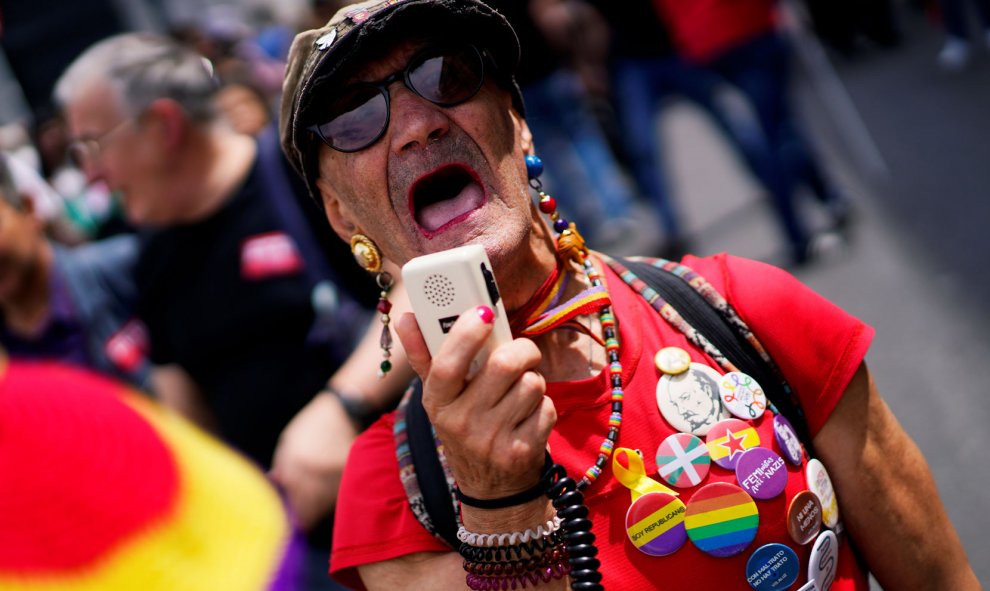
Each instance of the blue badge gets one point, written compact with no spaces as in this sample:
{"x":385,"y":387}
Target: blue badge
{"x":774,"y":566}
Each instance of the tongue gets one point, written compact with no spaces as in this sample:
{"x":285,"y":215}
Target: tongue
{"x":434,"y":216}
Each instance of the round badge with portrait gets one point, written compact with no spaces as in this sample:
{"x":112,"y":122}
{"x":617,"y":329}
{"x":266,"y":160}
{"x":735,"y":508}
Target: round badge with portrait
{"x":689,"y":401}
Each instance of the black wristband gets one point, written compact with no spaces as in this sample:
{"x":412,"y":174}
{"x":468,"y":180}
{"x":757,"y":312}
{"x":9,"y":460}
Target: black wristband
{"x":538,"y":489}
{"x":360,"y":412}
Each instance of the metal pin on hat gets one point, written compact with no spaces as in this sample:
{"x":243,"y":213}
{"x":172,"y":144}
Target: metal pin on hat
{"x":326,"y":40}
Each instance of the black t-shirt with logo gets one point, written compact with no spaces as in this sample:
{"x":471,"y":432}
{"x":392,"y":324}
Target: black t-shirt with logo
{"x":230,"y":300}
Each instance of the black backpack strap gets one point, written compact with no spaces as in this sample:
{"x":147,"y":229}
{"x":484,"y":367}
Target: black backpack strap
{"x":429,"y":473}
{"x":700,"y":314}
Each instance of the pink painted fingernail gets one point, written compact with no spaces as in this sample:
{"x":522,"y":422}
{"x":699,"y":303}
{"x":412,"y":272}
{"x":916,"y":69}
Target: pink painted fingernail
{"x":486,"y":313}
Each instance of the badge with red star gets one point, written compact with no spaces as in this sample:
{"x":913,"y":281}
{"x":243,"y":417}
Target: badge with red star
{"x":728,"y":439}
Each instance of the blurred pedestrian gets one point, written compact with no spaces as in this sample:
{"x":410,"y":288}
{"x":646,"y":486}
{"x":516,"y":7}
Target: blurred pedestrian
{"x":587,"y":179}
{"x":244,"y":106}
{"x":739,"y":41}
{"x":75,"y":305}
{"x":643,"y":70}
{"x":248,"y":311}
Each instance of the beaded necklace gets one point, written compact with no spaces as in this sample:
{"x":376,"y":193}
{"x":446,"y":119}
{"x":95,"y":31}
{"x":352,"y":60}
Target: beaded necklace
{"x":594,"y":298}
{"x":571,"y":247}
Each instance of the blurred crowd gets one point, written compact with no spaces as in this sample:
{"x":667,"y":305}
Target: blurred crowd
{"x":597,"y":75}
{"x":95,"y":272}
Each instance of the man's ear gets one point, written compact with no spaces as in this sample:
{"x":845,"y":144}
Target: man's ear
{"x":338,"y":214}
{"x":526,"y":138}
{"x":169,"y":120}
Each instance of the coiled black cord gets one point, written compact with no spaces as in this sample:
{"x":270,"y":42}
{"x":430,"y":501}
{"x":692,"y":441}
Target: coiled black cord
{"x":579,"y":540}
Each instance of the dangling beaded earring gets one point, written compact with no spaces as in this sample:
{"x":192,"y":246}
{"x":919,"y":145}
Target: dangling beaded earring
{"x":368,"y":256}
{"x":570,"y":243}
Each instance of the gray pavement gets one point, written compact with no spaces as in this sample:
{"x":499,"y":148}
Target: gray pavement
{"x":931,"y":357}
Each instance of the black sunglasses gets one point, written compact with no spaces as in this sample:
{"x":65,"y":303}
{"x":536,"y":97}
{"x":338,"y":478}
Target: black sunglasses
{"x":358,"y":116}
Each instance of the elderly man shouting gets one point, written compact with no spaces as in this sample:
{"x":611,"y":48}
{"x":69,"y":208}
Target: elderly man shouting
{"x":405,"y":121}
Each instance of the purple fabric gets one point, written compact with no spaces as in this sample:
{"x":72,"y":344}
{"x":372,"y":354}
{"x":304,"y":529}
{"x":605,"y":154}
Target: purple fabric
{"x":61,"y":336}
{"x":289,"y":574}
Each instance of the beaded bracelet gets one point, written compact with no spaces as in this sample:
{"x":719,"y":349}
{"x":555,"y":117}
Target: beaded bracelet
{"x":518,"y":567}
{"x":510,"y":539}
{"x":513,"y":552}
{"x":557,"y":570}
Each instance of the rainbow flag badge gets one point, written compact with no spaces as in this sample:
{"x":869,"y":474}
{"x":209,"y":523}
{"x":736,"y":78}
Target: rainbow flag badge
{"x":721,"y":519}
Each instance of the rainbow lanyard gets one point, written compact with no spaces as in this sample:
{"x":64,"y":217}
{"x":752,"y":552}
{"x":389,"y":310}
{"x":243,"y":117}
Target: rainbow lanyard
{"x":542,"y":314}
{"x":547,"y":314}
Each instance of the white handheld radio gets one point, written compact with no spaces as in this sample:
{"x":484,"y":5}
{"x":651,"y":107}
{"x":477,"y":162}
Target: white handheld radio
{"x":446,"y":284}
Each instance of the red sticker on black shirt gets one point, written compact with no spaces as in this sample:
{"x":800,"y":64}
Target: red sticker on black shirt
{"x":128,"y":347}
{"x":269,"y":255}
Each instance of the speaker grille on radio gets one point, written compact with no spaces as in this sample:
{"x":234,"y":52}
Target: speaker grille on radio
{"x":439,"y":290}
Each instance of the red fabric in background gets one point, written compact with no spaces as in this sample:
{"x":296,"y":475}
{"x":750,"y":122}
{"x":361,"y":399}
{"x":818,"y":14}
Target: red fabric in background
{"x":703,"y":29}
{"x":120,"y":485}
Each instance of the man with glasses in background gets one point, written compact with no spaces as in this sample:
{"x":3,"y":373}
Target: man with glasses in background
{"x":249,"y":309}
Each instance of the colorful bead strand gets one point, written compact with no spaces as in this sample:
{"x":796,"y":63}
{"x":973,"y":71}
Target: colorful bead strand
{"x":564,"y":229}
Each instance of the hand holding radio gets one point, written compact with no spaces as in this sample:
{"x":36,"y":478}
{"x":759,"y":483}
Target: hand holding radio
{"x":484,"y":398}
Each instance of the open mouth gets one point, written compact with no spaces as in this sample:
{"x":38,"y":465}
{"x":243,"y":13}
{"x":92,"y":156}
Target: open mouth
{"x":444,"y":196}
